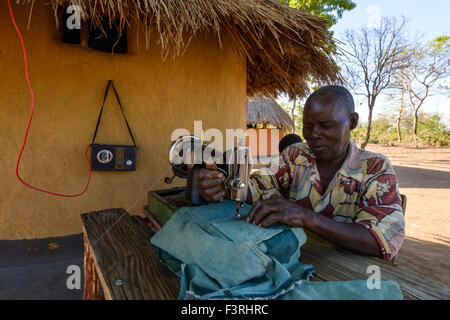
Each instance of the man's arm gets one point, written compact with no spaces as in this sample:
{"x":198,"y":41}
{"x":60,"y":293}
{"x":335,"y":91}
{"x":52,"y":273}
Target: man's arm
{"x":350,"y":236}
{"x":380,"y":210}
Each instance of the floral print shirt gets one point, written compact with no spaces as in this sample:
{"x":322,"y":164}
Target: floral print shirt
{"x":364,"y":191}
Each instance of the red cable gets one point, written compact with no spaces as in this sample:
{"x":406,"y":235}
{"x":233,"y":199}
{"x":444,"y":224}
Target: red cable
{"x":31,"y":117}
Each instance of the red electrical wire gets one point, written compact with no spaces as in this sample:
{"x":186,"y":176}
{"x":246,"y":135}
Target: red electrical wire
{"x":31,"y":117}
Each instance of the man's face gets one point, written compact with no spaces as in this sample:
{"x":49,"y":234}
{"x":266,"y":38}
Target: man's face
{"x":326,"y":128}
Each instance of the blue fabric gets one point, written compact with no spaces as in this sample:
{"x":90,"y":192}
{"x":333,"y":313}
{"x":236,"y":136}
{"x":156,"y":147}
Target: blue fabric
{"x":218,"y":257}
{"x":343,"y":290}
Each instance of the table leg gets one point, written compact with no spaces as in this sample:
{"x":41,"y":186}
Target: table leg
{"x":91,"y":279}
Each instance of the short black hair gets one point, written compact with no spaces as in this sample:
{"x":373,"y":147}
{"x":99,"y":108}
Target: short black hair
{"x":333,"y":93}
{"x":287,"y":140}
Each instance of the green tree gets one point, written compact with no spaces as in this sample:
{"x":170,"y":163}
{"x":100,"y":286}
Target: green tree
{"x":431,"y":63}
{"x":297,"y":116}
{"x":383,"y":131}
{"x":331,"y":11}
{"x":433,"y":131}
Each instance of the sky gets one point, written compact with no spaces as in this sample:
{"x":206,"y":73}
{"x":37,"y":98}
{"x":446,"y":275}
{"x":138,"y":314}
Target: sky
{"x":428,"y":19}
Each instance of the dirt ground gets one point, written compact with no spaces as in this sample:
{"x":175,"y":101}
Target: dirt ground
{"x":424,"y":177}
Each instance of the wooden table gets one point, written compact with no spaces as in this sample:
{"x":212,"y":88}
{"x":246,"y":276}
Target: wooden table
{"x":120,"y":260}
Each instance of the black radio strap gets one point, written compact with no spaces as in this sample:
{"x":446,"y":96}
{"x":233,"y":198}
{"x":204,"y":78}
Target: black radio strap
{"x":110,"y":83}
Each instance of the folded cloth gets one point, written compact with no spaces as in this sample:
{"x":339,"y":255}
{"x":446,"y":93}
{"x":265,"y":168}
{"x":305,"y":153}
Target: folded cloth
{"x":219,"y":257}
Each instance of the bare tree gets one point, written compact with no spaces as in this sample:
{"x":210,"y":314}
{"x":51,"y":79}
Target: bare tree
{"x":399,"y":117}
{"x":400,"y":101}
{"x":294,"y":104}
{"x":398,"y":85}
{"x":371,"y":58}
{"x":431,"y":64}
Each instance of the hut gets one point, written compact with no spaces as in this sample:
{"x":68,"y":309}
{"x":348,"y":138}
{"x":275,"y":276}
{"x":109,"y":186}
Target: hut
{"x":185,"y":60}
{"x":270,"y":123}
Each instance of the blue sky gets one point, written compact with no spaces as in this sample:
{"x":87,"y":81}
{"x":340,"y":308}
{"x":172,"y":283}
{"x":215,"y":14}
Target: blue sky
{"x":431,"y":18}
{"x":428,"y":19}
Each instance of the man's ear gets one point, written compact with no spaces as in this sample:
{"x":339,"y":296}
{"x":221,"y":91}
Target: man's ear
{"x":354,"y":117}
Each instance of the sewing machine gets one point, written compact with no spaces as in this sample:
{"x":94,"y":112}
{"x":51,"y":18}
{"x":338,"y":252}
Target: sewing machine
{"x":188,"y":154}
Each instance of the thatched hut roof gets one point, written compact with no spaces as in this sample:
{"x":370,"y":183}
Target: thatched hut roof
{"x":267,"y":111}
{"x":283,"y":46}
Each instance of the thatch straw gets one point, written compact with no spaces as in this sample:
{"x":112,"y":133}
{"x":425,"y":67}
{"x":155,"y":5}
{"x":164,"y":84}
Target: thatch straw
{"x":283,"y":46}
{"x":266,"y":110}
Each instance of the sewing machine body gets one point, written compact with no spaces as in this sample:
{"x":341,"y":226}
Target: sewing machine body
{"x":188,"y":154}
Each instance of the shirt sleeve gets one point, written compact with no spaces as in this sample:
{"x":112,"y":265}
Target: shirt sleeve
{"x":380,"y":209}
{"x":276,"y":179}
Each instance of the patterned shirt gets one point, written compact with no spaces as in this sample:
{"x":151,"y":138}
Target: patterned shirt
{"x":364,"y":191}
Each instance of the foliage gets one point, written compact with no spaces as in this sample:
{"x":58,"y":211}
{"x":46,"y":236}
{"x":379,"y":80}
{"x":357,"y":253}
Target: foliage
{"x":432,"y":130}
{"x":298,"y":116}
{"x":440,"y":44}
{"x":382,"y":131}
{"x":420,"y":79}
{"x":330,"y":10}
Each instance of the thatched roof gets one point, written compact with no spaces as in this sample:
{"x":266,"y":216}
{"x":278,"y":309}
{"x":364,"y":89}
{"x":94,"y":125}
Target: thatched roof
{"x":267,"y":110}
{"x":283,"y":46}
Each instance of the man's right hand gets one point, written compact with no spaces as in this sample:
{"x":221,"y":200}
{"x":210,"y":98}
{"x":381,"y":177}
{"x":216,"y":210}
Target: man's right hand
{"x":210,"y":184}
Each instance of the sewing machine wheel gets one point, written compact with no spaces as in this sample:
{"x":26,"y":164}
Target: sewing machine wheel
{"x":181,"y":165}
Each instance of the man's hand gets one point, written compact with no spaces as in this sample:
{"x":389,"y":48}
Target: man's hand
{"x":210,"y":184}
{"x":267,"y":212}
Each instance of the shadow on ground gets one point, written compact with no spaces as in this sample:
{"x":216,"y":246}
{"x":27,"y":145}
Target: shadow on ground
{"x":37,"y":269}
{"x":409,"y":177}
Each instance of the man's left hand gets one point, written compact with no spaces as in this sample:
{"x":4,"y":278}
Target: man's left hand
{"x":267,"y":212}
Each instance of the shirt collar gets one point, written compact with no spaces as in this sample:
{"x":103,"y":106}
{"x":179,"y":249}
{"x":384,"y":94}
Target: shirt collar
{"x":352,"y":167}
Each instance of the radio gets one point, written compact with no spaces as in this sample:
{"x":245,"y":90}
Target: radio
{"x":106,"y":157}
{"x":113,"y":158}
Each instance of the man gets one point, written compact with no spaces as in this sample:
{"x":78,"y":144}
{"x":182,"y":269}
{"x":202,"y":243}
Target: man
{"x":327,"y":185}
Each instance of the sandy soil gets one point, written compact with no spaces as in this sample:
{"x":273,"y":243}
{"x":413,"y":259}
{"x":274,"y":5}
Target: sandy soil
{"x":424,"y":177}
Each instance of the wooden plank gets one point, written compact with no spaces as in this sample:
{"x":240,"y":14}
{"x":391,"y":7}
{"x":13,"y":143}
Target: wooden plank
{"x":125,"y":260}
{"x":335,"y":264}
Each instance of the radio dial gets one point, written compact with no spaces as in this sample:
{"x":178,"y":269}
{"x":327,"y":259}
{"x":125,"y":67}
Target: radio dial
{"x":104,"y":156}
